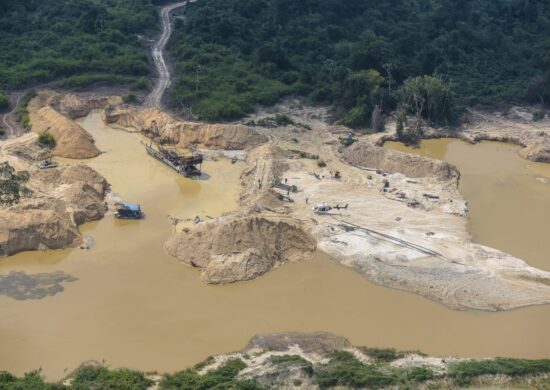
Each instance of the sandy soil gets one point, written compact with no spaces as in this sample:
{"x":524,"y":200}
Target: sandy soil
{"x":404,"y":226}
{"x":59,"y":200}
{"x":313,"y":348}
{"x":411,"y":235}
{"x":514,"y":125}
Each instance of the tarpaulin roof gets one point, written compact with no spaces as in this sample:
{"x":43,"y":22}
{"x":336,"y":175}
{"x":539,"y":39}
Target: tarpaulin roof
{"x":132,"y":206}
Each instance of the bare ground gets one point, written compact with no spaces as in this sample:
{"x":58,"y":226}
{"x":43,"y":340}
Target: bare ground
{"x":515,"y":125}
{"x":404,"y":226}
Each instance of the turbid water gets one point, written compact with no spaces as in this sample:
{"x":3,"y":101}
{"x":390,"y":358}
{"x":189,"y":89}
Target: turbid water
{"x":508,"y":197}
{"x":135,"y":306}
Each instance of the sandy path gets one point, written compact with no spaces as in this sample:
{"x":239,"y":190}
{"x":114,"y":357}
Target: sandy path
{"x":8,"y":119}
{"x":163,"y":82}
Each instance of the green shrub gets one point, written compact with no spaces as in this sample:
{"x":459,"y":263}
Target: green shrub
{"x":321,"y":164}
{"x":358,"y":116}
{"x":130,"y":98}
{"x":345,"y":370}
{"x":538,"y":116}
{"x":278,"y":120}
{"x":304,"y":154}
{"x":294,"y":360}
{"x":206,"y":362}
{"x":283,"y":120}
{"x":4,"y":101}
{"x":26,"y":99}
{"x":12,"y":184}
{"x":221,"y":378}
{"x":420,"y":374}
{"x":23,"y":112}
{"x":30,"y":381}
{"x":430,"y":98}
{"x":382,"y":354}
{"x":142,"y":84}
{"x":465,"y":370}
{"x":46,"y":139}
{"x":23,"y":118}
{"x":86,"y":378}
{"x":347,"y":141}
{"x":2,"y":131}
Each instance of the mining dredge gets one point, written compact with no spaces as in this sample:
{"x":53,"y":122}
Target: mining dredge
{"x":187,"y":166}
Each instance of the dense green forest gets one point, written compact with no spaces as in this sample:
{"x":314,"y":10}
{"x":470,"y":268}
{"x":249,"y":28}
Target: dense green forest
{"x":74,"y":42}
{"x":230,"y":55}
{"x":356,"y":54}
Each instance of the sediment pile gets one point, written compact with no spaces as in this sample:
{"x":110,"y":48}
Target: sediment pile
{"x":266,"y":165}
{"x":60,"y":199}
{"x":238,"y":248}
{"x":72,"y":141}
{"x":367,"y":155}
{"x":185,"y":134}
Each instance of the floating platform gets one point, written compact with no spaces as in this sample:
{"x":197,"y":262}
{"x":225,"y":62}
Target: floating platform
{"x":186,"y":166}
{"x":128,"y":211}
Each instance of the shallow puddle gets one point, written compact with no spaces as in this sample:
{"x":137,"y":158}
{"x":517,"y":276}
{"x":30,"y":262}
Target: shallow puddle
{"x":135,"y":306}
{"x":508,"y":197}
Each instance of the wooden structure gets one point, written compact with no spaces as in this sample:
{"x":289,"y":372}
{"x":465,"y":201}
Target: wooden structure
{"x":186,"y":166}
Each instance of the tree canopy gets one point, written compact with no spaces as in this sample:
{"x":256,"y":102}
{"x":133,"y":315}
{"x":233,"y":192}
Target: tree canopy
{"x":74,"y":42}
{"x":232,"y":54}
{"x":12,"y":184}
{"x":4,"y":101}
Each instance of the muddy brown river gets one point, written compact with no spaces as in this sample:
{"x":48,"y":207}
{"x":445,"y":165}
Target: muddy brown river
{"x":134,"y":306}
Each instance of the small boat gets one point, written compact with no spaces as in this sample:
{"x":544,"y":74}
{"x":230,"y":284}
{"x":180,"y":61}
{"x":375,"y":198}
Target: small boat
{"x":128,"y":211}
{"x":47,"y":164}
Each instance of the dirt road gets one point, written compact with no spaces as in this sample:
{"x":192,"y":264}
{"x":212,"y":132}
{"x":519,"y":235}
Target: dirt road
{"x":8,"y":119}
{"x":163,"y":82}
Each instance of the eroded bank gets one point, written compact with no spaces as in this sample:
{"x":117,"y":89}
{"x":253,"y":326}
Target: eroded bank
{"x":135,"y":306}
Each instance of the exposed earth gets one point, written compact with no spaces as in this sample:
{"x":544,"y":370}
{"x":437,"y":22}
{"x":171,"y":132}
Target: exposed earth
{"x":324,"y":361}
{"x":404,"y":226}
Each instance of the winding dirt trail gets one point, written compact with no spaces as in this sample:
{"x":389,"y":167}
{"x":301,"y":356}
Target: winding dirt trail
{"x":163,"y":82}
{"x":8,"y":119}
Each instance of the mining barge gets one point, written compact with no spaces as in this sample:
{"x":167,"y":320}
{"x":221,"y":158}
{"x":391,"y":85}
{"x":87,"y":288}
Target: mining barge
{"x":186,"y":166}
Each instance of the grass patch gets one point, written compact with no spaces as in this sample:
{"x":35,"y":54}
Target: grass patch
{"x":382,"y":354}
{"x":345,"y":370}
{"x":464,"y":371}
{"x":23,"y":112}
{"x":206,"y":362}
{"x":538,"y":116}
{"x":86,"y":378}
{"x":30,"y":381}
{"x":47,"y":139}
{"x":130,"y":98}
{"x":347,"y":141}
{"x":4,"y":101}
{"x":294,"y":360}
{"x":303,"y":154}
{"x":224,"y":377}
{"x":277,"y":121}
{"x":420,"y":374}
